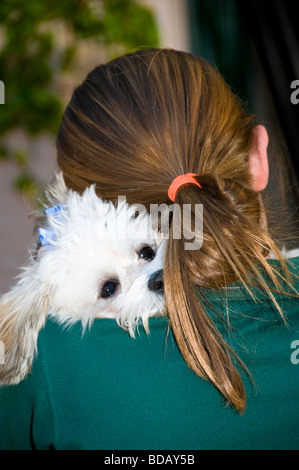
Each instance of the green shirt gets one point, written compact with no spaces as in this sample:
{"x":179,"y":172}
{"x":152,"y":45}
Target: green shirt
{"x":105,"y":390}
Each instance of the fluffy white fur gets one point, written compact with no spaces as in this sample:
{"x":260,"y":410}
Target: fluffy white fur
{"x":95,"y":242}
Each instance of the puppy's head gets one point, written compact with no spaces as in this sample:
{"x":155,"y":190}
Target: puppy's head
{"x":96,"y":260}
{"x":103,"y":261}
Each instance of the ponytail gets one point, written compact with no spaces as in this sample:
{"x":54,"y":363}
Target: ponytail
{"x":226,"y":256}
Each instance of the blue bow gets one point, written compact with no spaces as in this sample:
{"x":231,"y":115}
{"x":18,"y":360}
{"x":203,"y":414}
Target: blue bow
{"x":47,"y":235}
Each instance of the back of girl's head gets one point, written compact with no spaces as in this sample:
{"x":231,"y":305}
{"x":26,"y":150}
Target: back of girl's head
{"x":134,"y":125}
{"x":148,"y":117}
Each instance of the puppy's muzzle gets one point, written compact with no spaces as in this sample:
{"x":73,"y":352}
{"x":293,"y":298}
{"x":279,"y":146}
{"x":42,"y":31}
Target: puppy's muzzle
{"x":155,"y":282}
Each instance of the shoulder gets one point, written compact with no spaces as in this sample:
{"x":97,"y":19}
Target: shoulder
{"x":60,"y":344}
{"x":81,"y":361}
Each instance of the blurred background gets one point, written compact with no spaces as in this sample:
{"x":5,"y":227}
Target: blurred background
{"x":48,"y":47}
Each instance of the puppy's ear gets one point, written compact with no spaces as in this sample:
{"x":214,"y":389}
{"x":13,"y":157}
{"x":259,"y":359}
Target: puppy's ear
{"x":23,"y":313}
{"x":57,"y":191}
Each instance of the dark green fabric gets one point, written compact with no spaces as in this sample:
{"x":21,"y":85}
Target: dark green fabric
{"x":105,"y":390}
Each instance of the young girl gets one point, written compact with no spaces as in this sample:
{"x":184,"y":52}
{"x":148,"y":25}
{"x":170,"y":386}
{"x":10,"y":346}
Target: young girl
{"x":162,"y":126}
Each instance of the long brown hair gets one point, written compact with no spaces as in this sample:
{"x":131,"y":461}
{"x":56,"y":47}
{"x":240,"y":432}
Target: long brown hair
{"x":135,"y":124}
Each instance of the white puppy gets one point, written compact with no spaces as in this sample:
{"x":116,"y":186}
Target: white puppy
{"x":96,"y":260}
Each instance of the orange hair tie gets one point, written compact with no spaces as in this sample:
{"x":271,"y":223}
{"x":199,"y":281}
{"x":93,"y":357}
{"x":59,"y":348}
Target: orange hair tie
{"x":187,"y":178}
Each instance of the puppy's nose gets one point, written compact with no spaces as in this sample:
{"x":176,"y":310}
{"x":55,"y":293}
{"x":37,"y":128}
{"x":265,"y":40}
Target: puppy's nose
{"x":155,"y":282}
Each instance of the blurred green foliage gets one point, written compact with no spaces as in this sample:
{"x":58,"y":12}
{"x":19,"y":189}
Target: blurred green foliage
{"x":31,"y":59}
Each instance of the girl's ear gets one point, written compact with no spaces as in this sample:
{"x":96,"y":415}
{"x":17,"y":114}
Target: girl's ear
{"x":258,"y":158}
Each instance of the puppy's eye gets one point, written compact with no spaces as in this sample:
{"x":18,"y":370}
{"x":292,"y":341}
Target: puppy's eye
{"x":109,"y":289}
{"x":147,"y":253}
